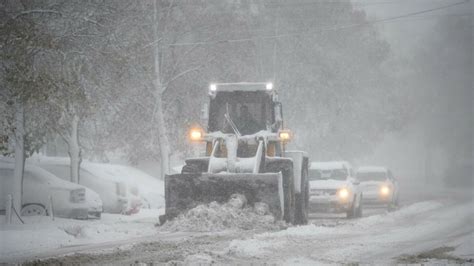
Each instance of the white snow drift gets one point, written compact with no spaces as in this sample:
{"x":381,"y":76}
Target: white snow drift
{"x":235,"y":214}
{"x":40,"y":235}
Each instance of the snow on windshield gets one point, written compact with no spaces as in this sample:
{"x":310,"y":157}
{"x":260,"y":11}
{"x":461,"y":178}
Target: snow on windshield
{"x":371,"y":176}
{"x":334,"y":174}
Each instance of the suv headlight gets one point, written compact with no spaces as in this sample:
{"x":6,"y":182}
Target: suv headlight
{"x":384,"y":190}
{"x":343,"y":193}
{"x":77,"y":195}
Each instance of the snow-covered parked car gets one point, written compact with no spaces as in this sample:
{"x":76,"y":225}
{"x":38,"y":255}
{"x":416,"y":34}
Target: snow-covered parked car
{"x":334,"y":188}
{"x":69,"y":200}
{"x":378,"y":185}
{"x":150,"y":189}
{"x":116,"y":195}
{"x":123,"y":189}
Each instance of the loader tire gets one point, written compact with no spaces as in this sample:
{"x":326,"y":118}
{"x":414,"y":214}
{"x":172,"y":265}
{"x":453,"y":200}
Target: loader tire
{"x":359,"y":211}
{"x":195,"y":166}
{"x":190,"y":169}
{"x":301,"y":215}
{"x":352,"y":212}
{"x":286,"y":169}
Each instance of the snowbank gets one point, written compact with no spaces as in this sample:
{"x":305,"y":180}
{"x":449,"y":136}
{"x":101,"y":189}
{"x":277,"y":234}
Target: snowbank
{"x":199,"y":259}
{"x":464,"y":246}
{"x":234,"y":214}
{"x":252,"y":247}
{"x":40,"y":235}
{"x":403,"y":213}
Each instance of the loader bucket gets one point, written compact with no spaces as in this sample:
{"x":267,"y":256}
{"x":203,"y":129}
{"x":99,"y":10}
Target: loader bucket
{"x":186,"y":191}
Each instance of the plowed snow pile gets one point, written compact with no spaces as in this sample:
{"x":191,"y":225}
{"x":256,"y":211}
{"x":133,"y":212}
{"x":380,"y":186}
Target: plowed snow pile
{"x":235,"y":214}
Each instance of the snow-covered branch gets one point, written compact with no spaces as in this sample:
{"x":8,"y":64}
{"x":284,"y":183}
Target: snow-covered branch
{"x":179,"y":75}
{"x":154,"y":42}
{"x":184,"y":55}
{"x":93,"y":21}
{"x":33,"y":11}
{"x":3,"y":94}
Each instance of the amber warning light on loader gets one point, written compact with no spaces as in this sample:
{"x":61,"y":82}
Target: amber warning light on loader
{"x":196,"y":134}
{"x":285,"y":135}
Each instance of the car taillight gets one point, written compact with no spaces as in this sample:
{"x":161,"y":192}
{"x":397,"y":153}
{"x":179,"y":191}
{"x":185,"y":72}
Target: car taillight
{"x":78,"y":195}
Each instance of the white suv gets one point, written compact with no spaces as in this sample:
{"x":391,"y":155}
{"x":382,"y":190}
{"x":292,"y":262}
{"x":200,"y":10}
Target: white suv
{"x":334,"y":188}
{"x":379,"y":186}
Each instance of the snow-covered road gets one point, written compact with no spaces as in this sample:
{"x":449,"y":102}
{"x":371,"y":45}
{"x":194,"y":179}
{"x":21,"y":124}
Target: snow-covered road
{"x":375,"y":239}
{"x":442,"y":226}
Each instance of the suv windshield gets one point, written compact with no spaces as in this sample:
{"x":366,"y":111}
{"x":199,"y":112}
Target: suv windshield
{"x":371,"y":176}
{"x":334,"y":174}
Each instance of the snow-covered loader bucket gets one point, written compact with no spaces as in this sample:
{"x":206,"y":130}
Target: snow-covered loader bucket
{"x":186,"y":191}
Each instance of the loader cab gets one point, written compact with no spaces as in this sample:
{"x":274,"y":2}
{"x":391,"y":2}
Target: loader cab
{"x":259,"y":105}
{"x":233,"y":99}
{"x":230,"y":100}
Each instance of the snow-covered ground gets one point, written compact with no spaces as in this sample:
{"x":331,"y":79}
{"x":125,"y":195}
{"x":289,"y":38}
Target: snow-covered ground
{"x":439,"y":229}
{"x":40,"y":235}
{"x":374,"y":239}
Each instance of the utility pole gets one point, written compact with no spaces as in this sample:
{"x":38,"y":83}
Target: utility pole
{"x":275,"y":44}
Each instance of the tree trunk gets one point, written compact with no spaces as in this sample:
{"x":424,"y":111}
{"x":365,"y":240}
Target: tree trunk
{"x":19,"y":155}
{"x":162,"y":137}
{"x":74,"y":149}
{"x":163,"y":140}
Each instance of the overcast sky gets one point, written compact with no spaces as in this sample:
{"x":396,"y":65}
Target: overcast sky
{"x":404,"y":34}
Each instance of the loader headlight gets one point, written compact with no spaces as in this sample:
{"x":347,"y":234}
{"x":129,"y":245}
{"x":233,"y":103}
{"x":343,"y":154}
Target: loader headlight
{"x":213,"y":87}
{"x":269,"y":86}
{"x":196,"y":134}
{"x":284,"y":135}
{"x":343,"y":193}
{"x":384,"y":190}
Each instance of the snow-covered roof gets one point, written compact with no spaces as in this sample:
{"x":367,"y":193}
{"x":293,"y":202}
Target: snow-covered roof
{"x":241,"y":86}
{"x":332,"y":165}
{"x":48,"y":160}
{"x":43,"y":175}
{"x":149,"y":186}
{"x":112,"y":172}
{"x":372,"y":169}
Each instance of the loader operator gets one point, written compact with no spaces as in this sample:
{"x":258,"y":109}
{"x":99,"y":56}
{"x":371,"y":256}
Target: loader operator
{"x":245,"y":123}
